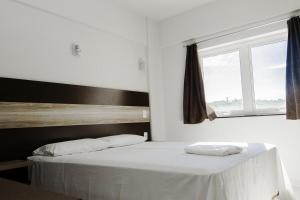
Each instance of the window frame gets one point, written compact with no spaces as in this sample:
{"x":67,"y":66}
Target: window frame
{"x":243,"y":47}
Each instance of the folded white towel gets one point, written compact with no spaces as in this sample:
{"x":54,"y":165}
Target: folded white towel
{"x":213,"y":150}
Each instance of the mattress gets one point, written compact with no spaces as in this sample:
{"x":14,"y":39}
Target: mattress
{"x":163,"y":171}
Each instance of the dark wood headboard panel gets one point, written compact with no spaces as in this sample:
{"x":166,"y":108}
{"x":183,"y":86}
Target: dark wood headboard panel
{"x":24,"y":126}
{"x":17,"y":90}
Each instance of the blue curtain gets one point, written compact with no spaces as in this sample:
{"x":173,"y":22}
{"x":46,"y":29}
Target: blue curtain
{"x":293,"y":70}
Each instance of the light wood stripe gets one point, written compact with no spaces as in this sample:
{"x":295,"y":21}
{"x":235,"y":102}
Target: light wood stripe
{"x":23,"y":115}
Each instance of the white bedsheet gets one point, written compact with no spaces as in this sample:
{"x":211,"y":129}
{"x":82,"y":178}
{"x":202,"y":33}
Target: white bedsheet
{"x":163,"y":171}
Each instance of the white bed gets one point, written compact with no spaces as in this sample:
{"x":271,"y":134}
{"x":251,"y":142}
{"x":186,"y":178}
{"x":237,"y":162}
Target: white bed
{"x":163,"y":171}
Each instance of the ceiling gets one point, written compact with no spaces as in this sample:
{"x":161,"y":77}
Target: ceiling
{"x":160,"y":9}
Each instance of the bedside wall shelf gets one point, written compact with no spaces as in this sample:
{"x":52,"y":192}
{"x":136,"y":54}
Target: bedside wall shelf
{"x":14,"y":164}
{"x":16,"y":170}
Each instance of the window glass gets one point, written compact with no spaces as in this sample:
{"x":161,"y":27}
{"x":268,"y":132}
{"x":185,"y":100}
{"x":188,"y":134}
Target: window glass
{"x":269,"y":63}
{"x":222,"y":82}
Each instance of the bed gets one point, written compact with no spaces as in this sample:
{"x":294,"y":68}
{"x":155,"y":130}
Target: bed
{"x":163,"y":171}
{"x":34,"y":113}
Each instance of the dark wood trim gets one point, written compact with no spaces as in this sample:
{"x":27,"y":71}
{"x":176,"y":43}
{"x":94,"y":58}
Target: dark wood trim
{"x":17,"y":90}
{"x":18,"y":143}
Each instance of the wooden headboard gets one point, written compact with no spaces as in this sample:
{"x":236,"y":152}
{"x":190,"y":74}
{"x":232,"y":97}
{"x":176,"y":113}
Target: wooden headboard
{"x":34,"y":113}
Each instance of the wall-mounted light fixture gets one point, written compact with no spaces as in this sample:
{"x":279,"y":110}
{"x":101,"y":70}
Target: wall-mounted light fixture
{"x":76,"y":51}
{"x":141,"y":64}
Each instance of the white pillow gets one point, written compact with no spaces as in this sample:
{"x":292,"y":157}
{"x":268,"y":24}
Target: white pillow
{"x":71,"y":147}
{"x":123,"y":140}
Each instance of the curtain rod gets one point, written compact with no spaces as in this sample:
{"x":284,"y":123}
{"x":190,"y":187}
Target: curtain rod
{"x":248,"y":27}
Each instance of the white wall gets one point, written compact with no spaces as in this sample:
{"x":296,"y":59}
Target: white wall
{"x":156,"y":82}
{"x":221,"y":15}
{"x":102,"y":14}
{"x":210,"y":19}
{"x":36,"y":36}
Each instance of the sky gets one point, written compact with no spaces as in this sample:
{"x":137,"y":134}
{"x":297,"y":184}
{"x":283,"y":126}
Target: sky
{"x":269,"y":63}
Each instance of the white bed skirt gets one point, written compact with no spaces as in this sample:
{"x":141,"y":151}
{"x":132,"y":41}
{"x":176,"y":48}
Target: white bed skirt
{"x":257,"y":177}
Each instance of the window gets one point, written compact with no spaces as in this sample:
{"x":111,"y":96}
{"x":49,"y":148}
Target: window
{"x":246,"y":77}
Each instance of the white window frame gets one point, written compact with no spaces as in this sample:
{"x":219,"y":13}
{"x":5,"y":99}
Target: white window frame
{"x":246,"y":69}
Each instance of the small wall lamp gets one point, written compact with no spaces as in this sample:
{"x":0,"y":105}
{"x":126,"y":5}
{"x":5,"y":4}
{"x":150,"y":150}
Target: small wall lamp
{"x":76,"y":51}
{"x":141,"y":64}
